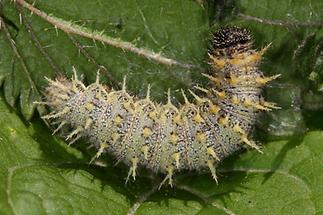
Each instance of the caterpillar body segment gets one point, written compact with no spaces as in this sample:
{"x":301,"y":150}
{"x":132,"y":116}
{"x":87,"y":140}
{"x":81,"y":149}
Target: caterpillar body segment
{"x":162,"y":137}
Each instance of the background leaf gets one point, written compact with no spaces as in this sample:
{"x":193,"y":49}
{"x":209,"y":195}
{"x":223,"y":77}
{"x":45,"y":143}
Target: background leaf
{"x":39,"y":174}
{"x":161,"y":27}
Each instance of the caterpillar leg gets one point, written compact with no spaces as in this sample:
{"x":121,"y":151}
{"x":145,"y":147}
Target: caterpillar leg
{"x":133,"y":168}
{"x":250,"y":143}
{"x":103,"y":146}
{"x":76,"y":131}
{"x":56,"y":115}
{"x":169,"y":177}
{"x":265,"y":80}
{"x":75,"y":139}
{"x":210,"y":164}
{"x":59,"y":127}
{"x":244,"y":139}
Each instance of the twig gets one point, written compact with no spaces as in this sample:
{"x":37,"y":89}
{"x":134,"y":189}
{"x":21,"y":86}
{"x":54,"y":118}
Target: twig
{"x":37,"y":43}
{"x":92,"y":60}
{"x":280,"y":22}
{"x":71,"y":28}
{"x":142,"y":198}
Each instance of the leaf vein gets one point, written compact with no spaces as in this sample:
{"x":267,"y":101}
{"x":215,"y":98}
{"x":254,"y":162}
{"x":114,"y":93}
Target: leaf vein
{"x":18,"y":55}
{"x":141,"y":199}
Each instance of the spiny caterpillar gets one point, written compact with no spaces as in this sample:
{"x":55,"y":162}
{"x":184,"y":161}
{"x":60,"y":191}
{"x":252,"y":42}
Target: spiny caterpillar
{"x":165,"y":138}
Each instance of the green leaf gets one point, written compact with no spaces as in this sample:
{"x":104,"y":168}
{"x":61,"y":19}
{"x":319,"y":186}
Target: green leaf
{"x":44,"y":176}
{"x":155,"y":29}
{"x":40,"y":174}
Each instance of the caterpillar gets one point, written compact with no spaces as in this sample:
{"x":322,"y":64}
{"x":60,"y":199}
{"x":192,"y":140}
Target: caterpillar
{"x":166,"y":138}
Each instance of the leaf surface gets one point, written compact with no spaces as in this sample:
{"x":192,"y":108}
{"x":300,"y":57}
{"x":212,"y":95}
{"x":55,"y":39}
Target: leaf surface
{"x":40,"y":174}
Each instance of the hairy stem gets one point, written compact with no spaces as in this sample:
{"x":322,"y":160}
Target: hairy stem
{"x":71,"y":28}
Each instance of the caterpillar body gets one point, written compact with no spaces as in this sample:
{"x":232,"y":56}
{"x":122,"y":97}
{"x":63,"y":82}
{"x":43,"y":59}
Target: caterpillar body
{"x":162,"y":137}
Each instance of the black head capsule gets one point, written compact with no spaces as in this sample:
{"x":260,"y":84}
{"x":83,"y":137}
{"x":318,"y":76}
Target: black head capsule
{"x":230,"y":40}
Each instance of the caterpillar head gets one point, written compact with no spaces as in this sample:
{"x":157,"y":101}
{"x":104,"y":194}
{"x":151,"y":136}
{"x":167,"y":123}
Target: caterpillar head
{"x":230,"y":40}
